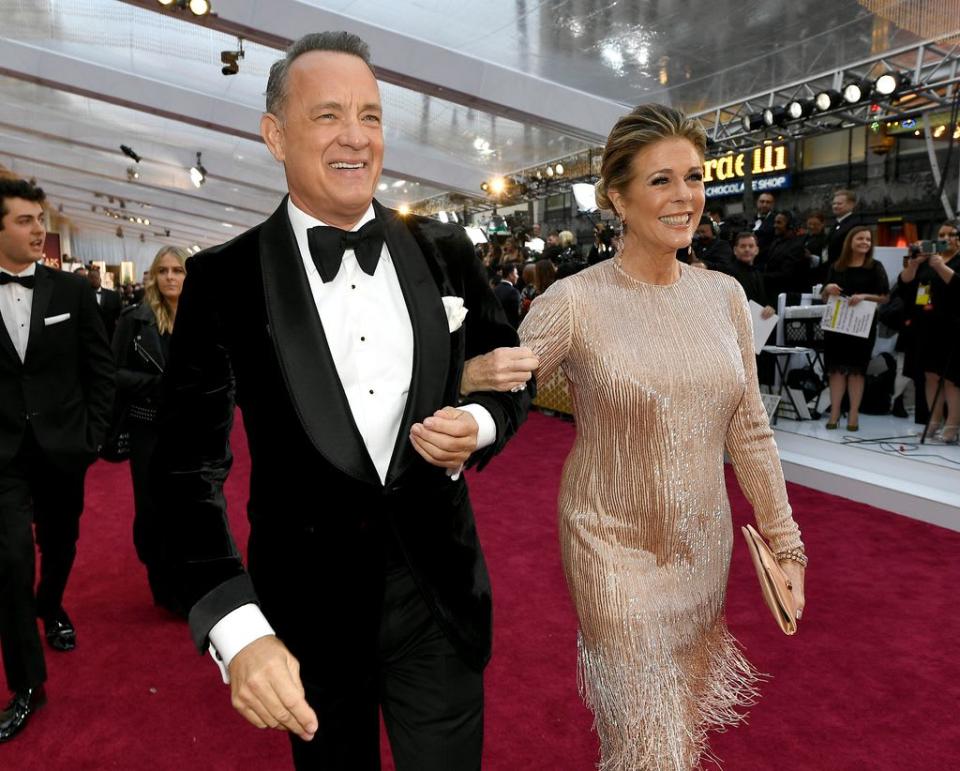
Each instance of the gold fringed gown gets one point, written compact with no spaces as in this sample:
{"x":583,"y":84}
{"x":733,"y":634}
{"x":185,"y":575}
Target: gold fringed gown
{"x":663,"y":378}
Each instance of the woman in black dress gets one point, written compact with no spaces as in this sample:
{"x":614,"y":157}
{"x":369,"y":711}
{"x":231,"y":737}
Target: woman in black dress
{"x":929,"y":287}
{"x":141,"y":348}
{"x":857,"y":276}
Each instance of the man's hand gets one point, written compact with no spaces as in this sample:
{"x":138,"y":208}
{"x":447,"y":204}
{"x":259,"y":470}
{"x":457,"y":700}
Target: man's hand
{"x":502,"y":369}
{"x":265,"y":688}
{"x":447,"y":438}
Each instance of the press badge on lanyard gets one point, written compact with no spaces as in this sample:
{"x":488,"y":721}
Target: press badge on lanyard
{"x":923,"y":294}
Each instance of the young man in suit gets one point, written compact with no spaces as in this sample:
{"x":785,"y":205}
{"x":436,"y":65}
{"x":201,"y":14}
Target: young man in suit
{"x":337,"y":326}
{"x":56,"y":396}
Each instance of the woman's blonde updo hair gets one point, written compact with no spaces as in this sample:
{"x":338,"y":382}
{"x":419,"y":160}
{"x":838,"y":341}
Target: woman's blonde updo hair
{"x":645,"y":125}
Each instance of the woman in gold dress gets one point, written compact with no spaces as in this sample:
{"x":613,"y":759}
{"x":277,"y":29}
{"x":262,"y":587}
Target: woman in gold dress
{"x":660,"y":362}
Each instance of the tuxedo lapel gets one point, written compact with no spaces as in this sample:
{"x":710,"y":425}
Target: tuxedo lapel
{"x":6,"y":344}
{"x":42,"y":292}
{"x":431,"y":335}
{"x":301,"y":345}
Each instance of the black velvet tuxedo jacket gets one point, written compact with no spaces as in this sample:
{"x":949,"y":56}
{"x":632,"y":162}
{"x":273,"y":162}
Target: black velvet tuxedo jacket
{"x":64,"y":388}
{"x":110,"y":307}
{"x":248,"y":332}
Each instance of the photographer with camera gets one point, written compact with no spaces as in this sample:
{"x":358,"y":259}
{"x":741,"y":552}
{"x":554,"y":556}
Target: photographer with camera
{"x":931,"y":292}
{"x":709,"y":248}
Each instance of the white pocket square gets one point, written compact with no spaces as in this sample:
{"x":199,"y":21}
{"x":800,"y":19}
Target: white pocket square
{"x":50,"y":320}
{"x":456,"y":313}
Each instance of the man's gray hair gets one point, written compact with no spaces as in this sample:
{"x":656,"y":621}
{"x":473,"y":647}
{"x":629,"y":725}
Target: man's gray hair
{"x":336,"y":42}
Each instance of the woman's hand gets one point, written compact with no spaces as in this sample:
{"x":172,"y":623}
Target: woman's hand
{"x":831,"y":289}
{"x":795,"y":573}
{"x":767,"y":312}
{"x":856,"y":299}
{"x":502,"y":369}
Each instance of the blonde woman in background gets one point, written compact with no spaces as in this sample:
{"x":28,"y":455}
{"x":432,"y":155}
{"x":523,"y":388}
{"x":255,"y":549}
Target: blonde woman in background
{"x":141,"y":346}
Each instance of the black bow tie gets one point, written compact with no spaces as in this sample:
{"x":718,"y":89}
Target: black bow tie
{"x":24,"y":281}
{"x":328,"y":244}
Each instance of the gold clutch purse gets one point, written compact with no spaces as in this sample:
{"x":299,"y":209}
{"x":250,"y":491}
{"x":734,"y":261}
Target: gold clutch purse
{"x":773,"y":581}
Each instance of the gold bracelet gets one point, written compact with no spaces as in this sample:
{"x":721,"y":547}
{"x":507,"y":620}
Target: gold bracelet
{"x":795,"y":555}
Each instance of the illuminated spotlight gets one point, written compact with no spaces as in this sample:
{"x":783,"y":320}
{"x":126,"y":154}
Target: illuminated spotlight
{"x":939,"y":131}
{"x":827,"y":100}
{"x":856,"y":91}
{"x":132,"y":173}
{"x":908,"y":123}
{"x":549,"y":171}
{"x":889,"y":83}
{"x":485,"y":187}
{"x":799,"y":108}
{"x":403,"y":209}
{"x":752,"y":122}
{"x":774,"y":116}
{"x":199,"y":7}
{"x":956,"y":132}
{"x":165,"y":2}
{"x":498,"y":185}
{"x":383,"y":186}
{"x":198,"y":174}
{"x":559,"y":169}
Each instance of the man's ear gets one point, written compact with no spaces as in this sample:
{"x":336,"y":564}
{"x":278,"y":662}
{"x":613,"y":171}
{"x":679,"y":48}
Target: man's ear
{"x":272,"y":132}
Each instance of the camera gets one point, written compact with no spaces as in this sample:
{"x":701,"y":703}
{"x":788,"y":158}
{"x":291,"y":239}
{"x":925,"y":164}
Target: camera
{"x":933,"y":247}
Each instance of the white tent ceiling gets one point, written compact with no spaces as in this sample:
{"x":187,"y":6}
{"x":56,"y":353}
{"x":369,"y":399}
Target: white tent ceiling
{"x":470,"y":89}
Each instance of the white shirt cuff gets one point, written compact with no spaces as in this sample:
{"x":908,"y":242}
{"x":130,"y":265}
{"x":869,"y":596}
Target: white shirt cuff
{"x":234,"y":632}
{"x":486,"y":435}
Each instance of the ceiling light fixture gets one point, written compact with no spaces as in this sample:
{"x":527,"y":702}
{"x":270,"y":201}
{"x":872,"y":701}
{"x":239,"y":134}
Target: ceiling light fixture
{"x":128,"y":151}
{"x":752,"y":122}
{"x":856,"y":91}
{"x":774,"y":116}
{"x":827,"y":100}
{"x":230,"y":59}
{"x":198,"y":174}
{"x":799,"y":108}
{"x":890,"y":82}
{"x":132,"y":173}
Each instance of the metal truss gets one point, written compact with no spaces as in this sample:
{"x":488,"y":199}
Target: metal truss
{"x":932,"y":69}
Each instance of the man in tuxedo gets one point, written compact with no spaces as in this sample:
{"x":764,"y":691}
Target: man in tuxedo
{"x":507,"y":294}
{"x":56,"y":396}
{"x":843,"y":205}
{"x":786,"y":267}
{"x":763,"y":222}
{"x":337,"y":326}
{"x":108,"y":302}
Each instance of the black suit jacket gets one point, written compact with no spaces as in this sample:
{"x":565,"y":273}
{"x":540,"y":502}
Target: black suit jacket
{"x":838,"y":234}
{"x":247,"y":332}
{"x":64,"y":387}
{"x":509,"y":298}
{"x":110,"y":307}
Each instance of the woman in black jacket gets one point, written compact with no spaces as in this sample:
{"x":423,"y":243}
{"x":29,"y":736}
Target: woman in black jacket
{"x":141,"y":347}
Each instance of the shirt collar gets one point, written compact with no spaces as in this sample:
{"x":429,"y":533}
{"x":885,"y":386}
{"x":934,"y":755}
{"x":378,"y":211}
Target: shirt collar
{"x":841,"y":219}
{"x":302,"y":221}
{"x":28,"y":271}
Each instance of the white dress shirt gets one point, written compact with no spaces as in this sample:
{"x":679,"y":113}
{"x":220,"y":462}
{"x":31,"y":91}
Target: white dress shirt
{"x":16,"y":304}
{"x":370,"y":336}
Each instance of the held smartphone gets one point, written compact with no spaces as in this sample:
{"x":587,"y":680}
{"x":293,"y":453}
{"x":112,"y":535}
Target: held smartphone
{"x":933,"y":247}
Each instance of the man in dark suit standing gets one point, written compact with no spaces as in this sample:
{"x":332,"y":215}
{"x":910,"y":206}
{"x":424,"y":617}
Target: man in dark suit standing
{"x":763,"y":223}
{"x":844,"y":203}
{"x":56,"y":395}
{"x":340,"y":328}
{"x":108,"y":302}
{"x":507,"y":294}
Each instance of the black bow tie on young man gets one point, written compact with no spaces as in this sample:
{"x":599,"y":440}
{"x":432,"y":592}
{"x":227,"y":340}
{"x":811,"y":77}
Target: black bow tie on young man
{"x":327,"y":245}
{"x":24,"y":281}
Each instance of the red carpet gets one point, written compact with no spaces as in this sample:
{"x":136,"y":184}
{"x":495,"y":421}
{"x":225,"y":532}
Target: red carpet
{"x":871,"y":682}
